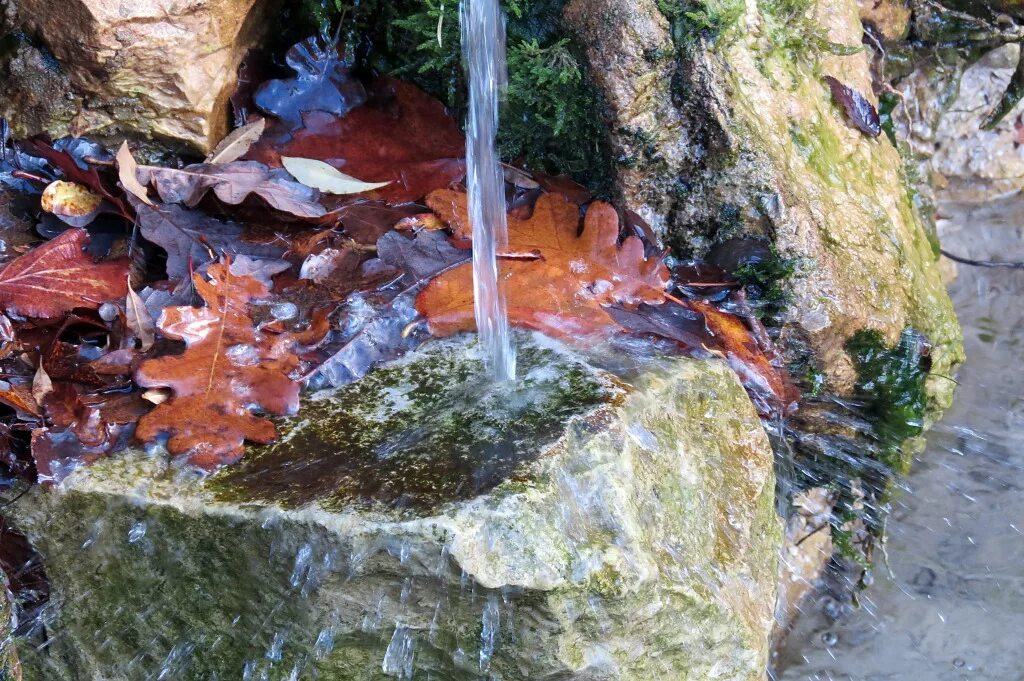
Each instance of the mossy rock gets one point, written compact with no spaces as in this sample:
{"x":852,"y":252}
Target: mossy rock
{"x":639,"y":540}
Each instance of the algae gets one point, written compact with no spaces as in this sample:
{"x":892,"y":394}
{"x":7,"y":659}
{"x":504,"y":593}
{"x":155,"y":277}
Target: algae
{"x":428,"y":429}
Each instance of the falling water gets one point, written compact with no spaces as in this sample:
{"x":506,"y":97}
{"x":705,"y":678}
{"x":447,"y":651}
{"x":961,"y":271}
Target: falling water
{"x":483,"y":44}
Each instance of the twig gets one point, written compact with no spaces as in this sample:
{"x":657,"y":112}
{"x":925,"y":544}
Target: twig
{"x":982,"y":263}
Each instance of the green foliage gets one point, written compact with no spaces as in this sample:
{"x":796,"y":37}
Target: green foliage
{"x":552,"y":117}
{"x":712,"y":18}
{"x":766,"y":282}
{"x":891,"y":384}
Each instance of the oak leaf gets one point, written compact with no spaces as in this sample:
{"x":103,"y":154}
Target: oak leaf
{"x":232,"y":183}
{"x":228,"y":370}
{"x":565,"y":291}
{"x":59,"y":276}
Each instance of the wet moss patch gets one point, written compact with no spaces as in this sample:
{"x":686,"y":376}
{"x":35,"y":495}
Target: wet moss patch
{"x":428,"y":429}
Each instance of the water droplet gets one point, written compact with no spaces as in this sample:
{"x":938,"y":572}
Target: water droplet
{"x":243,"y":354}
{"x":137,"y":532}
{"x":959,"y":662}
{"x":830,"y":639}
{"x":302,"y":559}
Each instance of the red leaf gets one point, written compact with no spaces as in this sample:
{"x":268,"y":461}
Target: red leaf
{"x":401,"y":135}
{"x":58,"y":276}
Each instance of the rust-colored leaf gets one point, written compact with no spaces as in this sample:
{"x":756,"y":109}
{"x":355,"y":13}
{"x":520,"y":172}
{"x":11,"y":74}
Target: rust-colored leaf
{"x":563,"y":293}
{"x":228,"y":370}
{"x":400,"y":135}
{"x":58,"y":276}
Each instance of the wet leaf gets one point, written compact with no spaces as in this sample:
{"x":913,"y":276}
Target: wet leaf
{"x":859,"y":111}
{"x":324,"y":177}
{"x":365,"y":223}
{"x":232,"y":183}
{"x":234,"y":146}
{"x":401,"y":135}
{"x":421,"y":257}
{"x":78,"y":171}
{"x":127,"y":172}
{"x":228,"y":370}
{"x":194,"y":240}
{"x":564,"y":292}
{"x":139,"y":320}
{"x":72,"y":203}
{"x":321,"y":83}
{"x":59,"y":276}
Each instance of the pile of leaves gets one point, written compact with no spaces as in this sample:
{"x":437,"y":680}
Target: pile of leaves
{"x":328,"y":233}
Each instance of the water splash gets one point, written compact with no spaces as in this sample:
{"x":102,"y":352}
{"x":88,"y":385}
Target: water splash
{"x":483,"y":45}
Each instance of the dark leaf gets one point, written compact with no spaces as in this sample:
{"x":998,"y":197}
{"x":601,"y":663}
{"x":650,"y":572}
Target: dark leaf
{"x":421,"y":257}
{"x":232,"y":183}
{"x":193,"y":240}
{"x":859,"y":111}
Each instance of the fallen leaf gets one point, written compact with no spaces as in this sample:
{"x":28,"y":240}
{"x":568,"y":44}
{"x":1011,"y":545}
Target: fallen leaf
{"x":58,"y":276}
{"x":861,"y":113}
{"x":234,"y":146}
{"x":419,"y":221}
{"x":193,"y":240}
{"x":127,"y":172}
{"x":564,"y":292}
{"x":367,"y":222}
{"x":321,"y":83}
{"x":18,"y":396}
{"x":72,"y":203}
{"x":228,"y":370}
{"x":232,"y":183}
{"x":401,"y":135}
{"x":420,"y":257}
{"x":77,"y":171}
{"x":41,"y":384}
{"x":139,"y":320}
{"x":326,"y":178}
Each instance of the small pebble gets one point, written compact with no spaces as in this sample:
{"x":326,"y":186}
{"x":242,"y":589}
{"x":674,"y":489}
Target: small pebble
{"x":108,"y":312}
{"x":284,"y":311}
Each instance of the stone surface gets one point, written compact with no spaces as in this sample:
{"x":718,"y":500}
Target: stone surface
{"x":10,"y":667}
{"x":889,"y":18}
{"x":641,"y":544}
{"x":768,"y":143}
{"x":158,"y":68}
{"x":36,"y":93}
{"x":944,"y":105}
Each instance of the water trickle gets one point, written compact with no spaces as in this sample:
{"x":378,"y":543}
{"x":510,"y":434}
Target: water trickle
{"x":483,"y":45}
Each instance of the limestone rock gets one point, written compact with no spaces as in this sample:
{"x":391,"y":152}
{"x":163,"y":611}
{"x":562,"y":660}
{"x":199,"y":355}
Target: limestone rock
{"x":768,"y":145}
{"x":162,"y":68}
{"x":641,"y":544}
{"x":36,"y":93}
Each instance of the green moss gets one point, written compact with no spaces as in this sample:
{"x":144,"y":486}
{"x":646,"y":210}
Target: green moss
{"x":767,"y":282}
{"x":552,"y":117}
{"x":891,"y":385}
{"x":711,"y":18}
{"x":417,"y":433}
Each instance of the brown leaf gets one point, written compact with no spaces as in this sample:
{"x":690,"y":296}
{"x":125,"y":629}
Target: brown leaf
{"x":565,"y":291}
{"x":232,"y":183}
{"x":74,"y":172}
{"x":139,"y":320}
{"x":228,"y":369}
{"x":861,"y":113}
{"x":58,"y":276}
{"x":127,"y":172}
{"x":234,"y":146}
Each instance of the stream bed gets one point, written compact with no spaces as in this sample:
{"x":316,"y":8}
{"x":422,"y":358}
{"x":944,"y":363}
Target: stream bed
{"x":949,"y":605}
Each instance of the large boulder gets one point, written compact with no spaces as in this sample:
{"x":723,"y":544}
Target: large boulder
{"x":636,"y":540}
{"x":755,"y":145}
{"x":157,"y":68}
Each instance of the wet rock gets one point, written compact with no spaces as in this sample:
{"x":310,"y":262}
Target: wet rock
{"x":640,"y":543}
{"x":770,"y":154}
{"x":10,"y":667}
{"x":37,"y":94}
{"x":944,"y":106}
{"x":890,"y":19}
{"x":146,"y":68}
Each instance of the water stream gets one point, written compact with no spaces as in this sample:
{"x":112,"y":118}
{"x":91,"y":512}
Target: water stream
{"x":483,"y":45}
